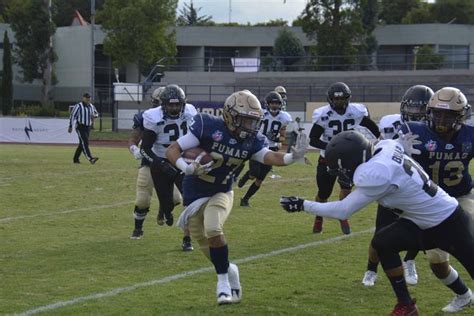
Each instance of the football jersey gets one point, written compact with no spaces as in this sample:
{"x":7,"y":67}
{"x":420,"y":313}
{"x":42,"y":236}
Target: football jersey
{"x":333,"y":123}
{"x":227,"y":153}
{"x":389,"y":125}
{"x":167,"y":129}
{"x":271,"y":125}
{"x":138,"y":121}
{"x":447,"y":163}
{"x":419,"y":198}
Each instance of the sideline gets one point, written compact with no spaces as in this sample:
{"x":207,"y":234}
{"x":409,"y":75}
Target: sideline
{"x":183,"y":275}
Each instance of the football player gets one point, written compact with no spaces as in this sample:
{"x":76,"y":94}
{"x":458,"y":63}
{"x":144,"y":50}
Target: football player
{"x":273,"y":127}
{"x":337,"y":116}
{"x":412,"y":108}
{"x":446,"y":152}
{"x":163,"y":125}
{"x":430,"y":218}
{"x":144,"y":186}
{"x":282,"y":92}
{"x":207,"y":189}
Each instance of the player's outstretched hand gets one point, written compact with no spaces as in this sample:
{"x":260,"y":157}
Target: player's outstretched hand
{"x":291,"y":204}
{"x":408,"y":141}
{"x":195,"y":168}
{"x":300,"y":148}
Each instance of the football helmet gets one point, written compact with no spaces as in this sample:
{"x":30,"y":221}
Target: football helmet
{"x":242,"y":114}
{"x":155,"y":97}
{"x":338,"y":96}
{"x":414,"y":102}
{"x":173,"y":101}
{"x":447,"y":110}
{"x":282,"y":91}
{"x":273,"y":102}
{"x":345,"y":152}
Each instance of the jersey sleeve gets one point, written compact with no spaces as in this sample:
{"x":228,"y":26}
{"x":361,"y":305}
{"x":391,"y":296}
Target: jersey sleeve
{"x":373,"y":179}
{"x":138,"y":121}
{"x":286,"y":119}
{"x":360,"y":109}
{"x":190,"y":109}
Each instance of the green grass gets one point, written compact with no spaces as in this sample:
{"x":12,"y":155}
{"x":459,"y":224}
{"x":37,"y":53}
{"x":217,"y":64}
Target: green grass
{"x":64,"y":232}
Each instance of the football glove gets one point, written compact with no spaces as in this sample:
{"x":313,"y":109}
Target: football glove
{"x":273,"y":136}
{"x":136,"y":152}
{"x":408,"y":141}
{"x":195,"y":168}
{"x":292,"y":204}
{"x":300,"y":148}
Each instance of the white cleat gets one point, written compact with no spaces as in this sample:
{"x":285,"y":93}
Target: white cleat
{"x":369,"y":278}
{"x":234,"y":281}
{"x":459,"y":302}
{"x":223,"y":292}
{"x":411,"y":276}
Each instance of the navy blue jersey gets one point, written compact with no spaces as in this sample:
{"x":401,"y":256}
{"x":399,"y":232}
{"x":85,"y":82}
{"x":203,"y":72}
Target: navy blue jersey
{"x":447,"y":163}
{"x":227,"y":152}
{"x":138,"y":121}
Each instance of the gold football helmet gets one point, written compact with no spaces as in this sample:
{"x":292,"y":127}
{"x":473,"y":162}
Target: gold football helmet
{"x":447,"y":110}
{"x":155,"y":96}
{"x":242,"y":114}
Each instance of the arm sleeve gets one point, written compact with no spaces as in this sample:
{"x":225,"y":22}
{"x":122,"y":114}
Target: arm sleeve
{"x":314,"y":137}
{"x":260,"y":155}
{"x":341,"y":210}
{"x":371,"y":126}
{"x":148,"y":139}
{"x":188,"y":141}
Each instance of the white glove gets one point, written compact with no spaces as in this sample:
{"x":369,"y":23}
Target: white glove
{"x":136,"y":152}
{"x":300,"y":148}
{"x":408,"y":141}
{"x":195,"y":168}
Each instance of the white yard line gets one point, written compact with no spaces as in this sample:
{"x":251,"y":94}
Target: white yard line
{"x":183,"y":275}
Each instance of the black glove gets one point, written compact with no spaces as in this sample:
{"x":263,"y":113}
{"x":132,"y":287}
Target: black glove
{"x":273,"y":136}
{"x":291,"y":204}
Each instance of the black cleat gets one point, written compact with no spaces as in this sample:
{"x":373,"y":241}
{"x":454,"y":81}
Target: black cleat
{"x":169,"y":219}
{"x":244,"y":202}
{"x":76,"y":161}
{"x":137,"y":234}
{"x":187,"y":246}
{"x":160,"y":219}
{"x":94,"y":160}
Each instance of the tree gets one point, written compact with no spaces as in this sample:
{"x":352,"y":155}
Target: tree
{"x":63,"y":11}
{"x":426,"y":58}
{"x":369,"y":15}
{"x":337,"y":26}
{"x":393,"y":12}
{"x":423,"y":14}
{"x":7,"y":77}
{"x":33,"y":28}
{"x":288,"y":48}
{"x":188,"y":16}
{"x":138,"y":31}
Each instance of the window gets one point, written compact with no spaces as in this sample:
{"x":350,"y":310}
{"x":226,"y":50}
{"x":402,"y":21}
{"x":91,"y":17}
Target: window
{"x":455,"y":56}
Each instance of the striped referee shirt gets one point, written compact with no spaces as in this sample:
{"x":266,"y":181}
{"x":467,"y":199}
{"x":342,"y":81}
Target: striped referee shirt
{"x":83,"y":114}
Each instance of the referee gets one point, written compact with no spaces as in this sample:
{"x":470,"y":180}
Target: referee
{"x":83,"y":115}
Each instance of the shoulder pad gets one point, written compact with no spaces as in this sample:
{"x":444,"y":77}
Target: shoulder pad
{"x":189,"y":110}
{"x":359,"y":108}
{"x":286,"y":117}
{"x":371,"y":175}
{"x":318,"y":113}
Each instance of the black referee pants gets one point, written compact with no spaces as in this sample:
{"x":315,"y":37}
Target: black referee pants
{"x":83,"y":132}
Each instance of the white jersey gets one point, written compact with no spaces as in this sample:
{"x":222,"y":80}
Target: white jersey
{"x":389,"y":125}
{"x":167,"y":130}
{"x":272,"y":125}
{"x":402,"y":184}
{"x":334,"y":123}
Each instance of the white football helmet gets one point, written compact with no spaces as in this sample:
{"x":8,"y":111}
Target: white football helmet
{"x":447,"y":110}
{"x":242,"y":114}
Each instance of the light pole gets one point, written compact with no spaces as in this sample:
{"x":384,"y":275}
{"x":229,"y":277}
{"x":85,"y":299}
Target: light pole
{"x":92,"y":48}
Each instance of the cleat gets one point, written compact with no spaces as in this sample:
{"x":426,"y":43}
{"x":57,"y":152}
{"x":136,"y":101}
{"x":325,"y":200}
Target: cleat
{"x":224,"y":295}
{"x":137,"y":234}
{"x":369,"y":278}
{"x":76,"y":161}
{"x":244,"y":202}
{"x":160,"y":218}
{"x":234,"y":281}
{"x":459,"y":302}
{"x":187,"y":246}
{"x":318,"y":225}
{"x":94,"y":160}
{"x":169,"y":220}
{"x":345,"y":227}
{"x":402,"y":309}
{"x":411,"y":277}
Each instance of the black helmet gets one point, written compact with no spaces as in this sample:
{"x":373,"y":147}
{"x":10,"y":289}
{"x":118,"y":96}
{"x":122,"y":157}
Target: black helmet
{"x":173,"y":100}
{"x":345,"y":152}
{"x":338,"y":96}
{"x":414,"y":103}
{"x":273,"y":97}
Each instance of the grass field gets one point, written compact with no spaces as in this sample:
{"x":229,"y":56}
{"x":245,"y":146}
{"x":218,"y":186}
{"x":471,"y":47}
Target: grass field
{"x":65,"y":248}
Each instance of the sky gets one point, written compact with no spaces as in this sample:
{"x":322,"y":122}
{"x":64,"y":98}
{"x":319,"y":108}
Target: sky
{"x":243,"y":11}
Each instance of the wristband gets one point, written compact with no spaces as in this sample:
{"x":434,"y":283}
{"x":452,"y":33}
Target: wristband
{"x":288,"y":159}
{"x":181,"y":164}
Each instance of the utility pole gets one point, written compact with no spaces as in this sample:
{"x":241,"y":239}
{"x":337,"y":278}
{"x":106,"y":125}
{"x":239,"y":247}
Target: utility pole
{"x":230,"y":11}
{"x":92,"y":49}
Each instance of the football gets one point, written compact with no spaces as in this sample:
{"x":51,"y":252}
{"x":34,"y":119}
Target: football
{"x":191,"y":154}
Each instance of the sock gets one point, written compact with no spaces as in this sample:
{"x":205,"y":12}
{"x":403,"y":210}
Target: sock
{"x":410,"y":255}
{"x":457,"y":286}
{"x":220,"y":259}
{"x":139,"y":224}
{"x":246,"y":177}
{"x":251,"y":191}
{"x":372,"y":266}
{"x":400,"y":288}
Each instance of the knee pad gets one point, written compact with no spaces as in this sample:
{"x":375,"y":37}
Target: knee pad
{"x":140,"y":213}
{"x":144,"y":189}
{"x":216,"y":212}
{"x":437,"y":255}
